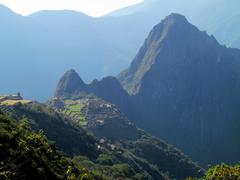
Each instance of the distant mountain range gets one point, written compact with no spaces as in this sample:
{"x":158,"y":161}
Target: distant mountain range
{"x":183,"y":86}
{"x":35,"y":50}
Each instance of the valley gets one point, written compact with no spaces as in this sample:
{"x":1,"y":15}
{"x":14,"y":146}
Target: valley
{"x":171,"y":112}
{"x":114,"y":141}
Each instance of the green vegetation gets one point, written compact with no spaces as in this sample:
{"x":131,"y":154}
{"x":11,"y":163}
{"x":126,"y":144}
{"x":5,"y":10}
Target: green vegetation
{"x":69,"y":138}
{"x":164,"y":156}
{"x":118,"y":169}
{"x":28,"y":155}
{"x":139,"y":160}
{"x":221,"y":172}
{"x":74,"y":110}
{"x":146,"y":157}
{"x":13,"y":102}
{"x":158,"y":159}
{"x":76,"y":141}
{"x":143,"y":158}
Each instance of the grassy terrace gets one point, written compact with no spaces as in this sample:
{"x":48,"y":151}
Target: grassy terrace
{"x":13,"y":102}
{"x":74,"y":110}
{"x":10,"y":102}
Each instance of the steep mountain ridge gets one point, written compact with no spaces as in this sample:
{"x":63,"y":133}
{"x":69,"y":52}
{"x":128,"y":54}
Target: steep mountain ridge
{"x":174,"y":34}
{"x":184,"y":82}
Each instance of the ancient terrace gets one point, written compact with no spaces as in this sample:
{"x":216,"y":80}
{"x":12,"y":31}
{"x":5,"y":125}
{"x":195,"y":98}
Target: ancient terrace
{"x":12,"y":99}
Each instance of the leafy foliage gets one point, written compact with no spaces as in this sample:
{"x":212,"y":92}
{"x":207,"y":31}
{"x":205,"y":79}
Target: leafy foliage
{"x":75,"y":141}
{"x":224,"y":171}
{"x":164,"y":156}
{"x":118,"y":170}
{"x":144,"y":158}
{"x":28,"y":155}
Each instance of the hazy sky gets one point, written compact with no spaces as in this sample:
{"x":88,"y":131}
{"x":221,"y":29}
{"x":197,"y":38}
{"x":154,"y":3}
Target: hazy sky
{"x":90,"y":7}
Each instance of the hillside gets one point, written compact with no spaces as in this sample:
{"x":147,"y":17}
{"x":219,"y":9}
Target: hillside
{"x":72,"y":140}
{"x":96,"y":115}
{"x":108,"y":123}
{"x":28,"y":155}
{"x":184,"y":82}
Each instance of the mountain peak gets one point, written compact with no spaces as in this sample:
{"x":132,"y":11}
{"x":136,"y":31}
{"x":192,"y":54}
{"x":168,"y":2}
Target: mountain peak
{"x":71,"y":71}
{"x":175,"y":17}
{"x":173,"y":36}
{"x":69,"y":84}
{"x":184,"y":81}
{"x":174,"y":22}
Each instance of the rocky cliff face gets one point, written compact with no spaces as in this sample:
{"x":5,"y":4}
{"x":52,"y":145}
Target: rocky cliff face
{"x":185,"y":88}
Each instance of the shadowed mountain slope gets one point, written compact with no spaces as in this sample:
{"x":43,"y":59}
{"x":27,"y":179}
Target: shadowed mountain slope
{"x":185,"y":89}
{"x":90,"y":109}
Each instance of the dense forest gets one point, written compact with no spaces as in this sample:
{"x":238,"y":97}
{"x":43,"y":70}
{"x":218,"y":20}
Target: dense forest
{"x":26,"y":155}
{"x":144,"y":157}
